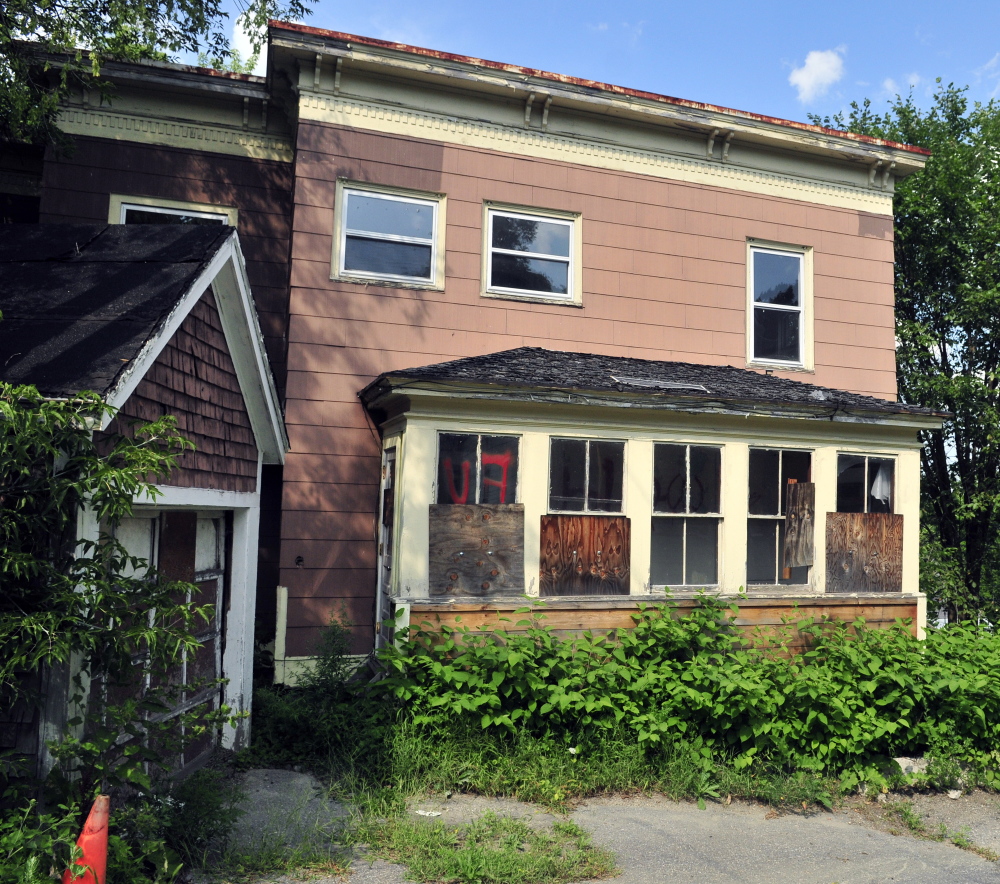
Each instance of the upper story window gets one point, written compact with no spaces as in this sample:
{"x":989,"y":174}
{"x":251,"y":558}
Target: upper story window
{"x":687,"y":482}
{"x":778,"y":292}
{"x":586,"y":475}
{"x":388,"y":235}
{"x":531,"y":255}
{"x":475,"y":468}
{"x":865,"y":484}
{"x":771,"y":471}
{"x":150,"y":210}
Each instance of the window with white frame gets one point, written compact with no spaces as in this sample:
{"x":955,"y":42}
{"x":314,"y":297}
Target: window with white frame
{"x":135,"y":209}
{"x":475,"y":468}
{"x":865,"y":484}
{"x":390,"y":236}
{"x":777,"y":293}
{"x":687,"y":482}
{"x":771,"y":471}
{"x":530,"y":255}
{"x":586,"y":475}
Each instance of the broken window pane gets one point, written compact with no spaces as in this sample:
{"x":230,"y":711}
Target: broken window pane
{"x":706,"y":464}
{"x":764,"y":498}
{"x":607,"y":461}
{"x":666,"y":563}
{"x":458,"y":473}
{"x":794,"y":465}
{"x":568,"y":470}
{"x":498,"y":469}
{"x":850,"y":484}
{"x":669,"y":478}
{"x":880,"y":484}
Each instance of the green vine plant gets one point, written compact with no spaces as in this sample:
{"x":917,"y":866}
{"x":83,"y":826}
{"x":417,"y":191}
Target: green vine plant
{"x":86,"y":610}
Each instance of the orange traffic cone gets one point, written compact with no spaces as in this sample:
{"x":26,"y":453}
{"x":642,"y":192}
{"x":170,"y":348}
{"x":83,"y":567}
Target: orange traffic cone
{"x":93,"y":841}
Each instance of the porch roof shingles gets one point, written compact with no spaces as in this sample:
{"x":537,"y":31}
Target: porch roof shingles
{"x":536,"y":368}
{"x":79,"y":301}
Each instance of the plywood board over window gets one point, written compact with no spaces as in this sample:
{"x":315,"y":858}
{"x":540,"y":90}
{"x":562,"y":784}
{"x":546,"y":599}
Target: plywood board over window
{"x":476,"y":549}
{"x":585,"y":555}
{"x":864,"y":552}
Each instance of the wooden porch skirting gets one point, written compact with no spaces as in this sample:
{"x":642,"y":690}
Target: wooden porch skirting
{"x":572,"y":616}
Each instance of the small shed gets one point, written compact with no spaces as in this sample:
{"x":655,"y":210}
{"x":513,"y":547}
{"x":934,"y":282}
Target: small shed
{"x":158,"y":319}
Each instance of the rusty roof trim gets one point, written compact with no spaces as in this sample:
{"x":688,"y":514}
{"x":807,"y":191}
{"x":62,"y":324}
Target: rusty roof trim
{"x":623,"y":91}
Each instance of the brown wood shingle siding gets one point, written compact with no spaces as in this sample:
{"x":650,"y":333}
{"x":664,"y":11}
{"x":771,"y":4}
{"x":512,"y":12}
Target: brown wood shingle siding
{"x":194,"y":379}
{"x":664,"y":277}
{"x":77,"y":188}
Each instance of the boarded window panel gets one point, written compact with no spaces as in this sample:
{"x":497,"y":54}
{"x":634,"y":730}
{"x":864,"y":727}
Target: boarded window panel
{"x":764,"y":485}
{"x":476,"y":550}
{"x":702,"y":552}
{"x":850,"y":484}
{"x":864,"y":552}
{"x":800,"y":517}
{"x":666,"y":561}
{"x":498,"y":470}
{"x":607,"y":463}
{"x":669,"y":479}
{"x":706,"y":466}
{"x":458,"y":473}
{"x":568,"y":474}
{"x":585,"y":555}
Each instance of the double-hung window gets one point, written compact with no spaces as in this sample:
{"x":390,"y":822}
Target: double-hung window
{"x":531,"y":255}
{"x":771,"y":471}
{"x":686,"y":515}
{"x":865,"y":484}
{"x":586,"y":475}
{"x":475,"y":468}
{"x":778,"y":330}
{"x":390,"y":236}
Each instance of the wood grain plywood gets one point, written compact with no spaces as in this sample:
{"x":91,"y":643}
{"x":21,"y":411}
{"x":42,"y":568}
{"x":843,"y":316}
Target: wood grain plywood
{"x":864,"y":552}
{"x":476,"y":550}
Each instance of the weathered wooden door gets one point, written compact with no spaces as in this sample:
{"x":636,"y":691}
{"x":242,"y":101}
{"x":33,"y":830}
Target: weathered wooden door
{"x":387,"y":518}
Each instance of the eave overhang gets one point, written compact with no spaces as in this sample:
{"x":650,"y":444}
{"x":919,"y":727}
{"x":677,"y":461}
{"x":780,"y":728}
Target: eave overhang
{"x":395,"y":393}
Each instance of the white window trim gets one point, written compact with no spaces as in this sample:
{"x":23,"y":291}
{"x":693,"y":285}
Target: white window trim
{"x":764,"y":517}
{"x":868,"y":455}
{"x":438,"y":201}
{"x":586,"y":511}
{"x":806,"y":361}
{"x":119,"y":203}
{"x":719,"y":516}
{"x":479,"y":459}
{"x":573,"y":220}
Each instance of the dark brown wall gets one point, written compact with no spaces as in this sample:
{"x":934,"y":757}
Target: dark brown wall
{"x":194,"y":379}
{"x":78,"y":187}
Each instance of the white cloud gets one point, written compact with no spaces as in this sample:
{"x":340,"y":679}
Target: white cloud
{"x":600,"y":26}
{"x":890,"y":86}
{"x":821,"y":70}
{"x":242,"y":44}
{"x":990,"y":72}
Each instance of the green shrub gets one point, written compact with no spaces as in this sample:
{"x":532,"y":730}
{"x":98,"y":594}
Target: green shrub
{"x":843,"y":708}
{"x":33,"y":844}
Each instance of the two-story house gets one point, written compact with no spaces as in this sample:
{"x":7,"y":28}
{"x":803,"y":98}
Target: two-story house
{"x":538,"y":335}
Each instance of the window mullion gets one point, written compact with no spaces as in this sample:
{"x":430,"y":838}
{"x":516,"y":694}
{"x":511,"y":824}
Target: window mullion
{"x":586,"y":479}
{"x":479,"y":467}
{"x":388,"y":237}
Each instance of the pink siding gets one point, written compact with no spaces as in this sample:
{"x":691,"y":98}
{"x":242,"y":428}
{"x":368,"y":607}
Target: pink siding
{"x":663,"y":278}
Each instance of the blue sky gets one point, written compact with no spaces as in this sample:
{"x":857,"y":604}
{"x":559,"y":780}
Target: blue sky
{"x":784,"y":59}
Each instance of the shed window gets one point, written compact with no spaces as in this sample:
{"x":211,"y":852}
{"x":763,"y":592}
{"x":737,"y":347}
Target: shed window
{"x":865,"y":484}
{"x":686,"y":507}
{"x":388,"y":236}
{"x":476,"y":468}
{"x":586,"y":475}
{"x":771,"y":471}
{"x":530,"y":255}
{"x":777,"y":302}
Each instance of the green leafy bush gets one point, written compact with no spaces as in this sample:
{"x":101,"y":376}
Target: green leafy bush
{"x":846,"y":706}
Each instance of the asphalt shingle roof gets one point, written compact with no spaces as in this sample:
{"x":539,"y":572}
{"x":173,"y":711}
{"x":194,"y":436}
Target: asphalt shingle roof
{"x":536,"y":367}
{"x":80,"y":300}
